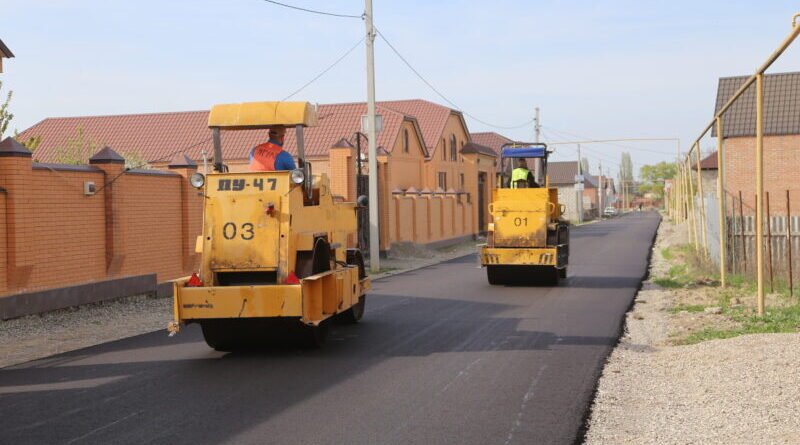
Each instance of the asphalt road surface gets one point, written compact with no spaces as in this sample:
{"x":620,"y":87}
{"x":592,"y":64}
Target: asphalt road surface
{"x":440,"y":358}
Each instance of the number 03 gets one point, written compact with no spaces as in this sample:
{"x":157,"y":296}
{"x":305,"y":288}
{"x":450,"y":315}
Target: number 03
{"x":229,"y":231}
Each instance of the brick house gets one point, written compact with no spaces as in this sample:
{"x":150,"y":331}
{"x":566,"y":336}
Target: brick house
{"x":781,"y":137}
{"x":490,"y":139}
{"x":562,"y":176}
{"x":708,"y":173}
{"x":5,"y":53}
{"x":591,"y":194}
{"x":426,"y":168}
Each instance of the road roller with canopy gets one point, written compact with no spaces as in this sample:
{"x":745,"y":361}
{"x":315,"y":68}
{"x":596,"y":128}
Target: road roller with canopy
{"x":278,"y":254}
{"x":528,"y":240}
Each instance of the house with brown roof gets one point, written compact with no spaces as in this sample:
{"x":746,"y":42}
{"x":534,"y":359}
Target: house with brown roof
{"x":562,"y":176}
{"x":422,"y":151}
{"x":491,"y":139}
{"x":5,"y":53}
{"x":708,"y":173}
{"x":781,"y":136}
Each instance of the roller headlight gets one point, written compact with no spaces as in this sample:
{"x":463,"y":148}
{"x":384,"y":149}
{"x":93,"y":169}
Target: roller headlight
{"x":197,"y":180}
{"x":298,"y":176}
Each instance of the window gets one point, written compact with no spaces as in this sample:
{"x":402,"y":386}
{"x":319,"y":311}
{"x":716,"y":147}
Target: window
{"x":405,"y":140}
{"x":443,"y":181}
{"x":444,"y":150}
{"x":461,"y":182}
{"x":453,"y":149}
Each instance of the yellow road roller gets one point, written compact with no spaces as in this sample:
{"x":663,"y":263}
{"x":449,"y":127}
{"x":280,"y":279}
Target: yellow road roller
{"x":528,"y":239}
{"x":279,"y":260}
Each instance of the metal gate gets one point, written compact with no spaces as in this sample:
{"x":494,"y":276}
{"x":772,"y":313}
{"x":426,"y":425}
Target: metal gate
{"x":481,"y":203}
{"x":362,"y":189}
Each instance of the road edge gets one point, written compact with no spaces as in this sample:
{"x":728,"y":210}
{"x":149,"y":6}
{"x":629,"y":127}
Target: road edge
{"x":580,"y":438}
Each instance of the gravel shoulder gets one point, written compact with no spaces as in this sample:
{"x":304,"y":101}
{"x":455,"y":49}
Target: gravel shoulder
{"x":741,"y":390}
{"x":37,"y":336}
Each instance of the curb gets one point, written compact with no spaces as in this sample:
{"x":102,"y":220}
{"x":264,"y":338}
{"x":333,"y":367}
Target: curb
{"x":381,"y":276}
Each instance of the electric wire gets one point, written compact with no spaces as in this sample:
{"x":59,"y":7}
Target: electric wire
{"x":626,"y":147}
{"x":142,"y":164}
{"x":323,"y":72}
{"x":435,"y":90}
{"x":313,"y":11}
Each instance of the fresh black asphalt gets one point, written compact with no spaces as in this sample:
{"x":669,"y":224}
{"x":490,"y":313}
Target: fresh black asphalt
{"x":441,"y":357}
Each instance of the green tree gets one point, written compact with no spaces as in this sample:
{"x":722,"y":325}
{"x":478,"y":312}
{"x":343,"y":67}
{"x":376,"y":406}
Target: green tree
{"x":585,"y":166}
{"x":626,"y":174}
{"x":5,"y":115}
{"x":653,"y":177}
{"x":134,"y":159}
{"x":32,"y":143}
{"x":77,"y":150}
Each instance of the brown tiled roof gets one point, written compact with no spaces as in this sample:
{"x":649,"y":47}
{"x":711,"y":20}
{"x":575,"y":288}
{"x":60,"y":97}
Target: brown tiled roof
{"x":4,"y":51}
{"x":709,"y":162}
{"x":472,"y":147}
{"x":781,"y":105}
{"x":432,"y":118}
{"x":562,"y":173}
{"x":490,"y":139}
{"x":159,"y":136}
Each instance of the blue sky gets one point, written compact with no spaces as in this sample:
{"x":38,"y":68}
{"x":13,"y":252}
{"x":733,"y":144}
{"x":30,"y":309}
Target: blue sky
{"x":597,"y":69}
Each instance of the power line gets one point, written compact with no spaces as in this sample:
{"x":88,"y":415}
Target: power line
{"x":588,"y":140}
{"x":332,"y":14}
{"x":596,"y":155}
{"x":167,"y":156}
{"x":433,"y":88}
{"x":347,"y":53}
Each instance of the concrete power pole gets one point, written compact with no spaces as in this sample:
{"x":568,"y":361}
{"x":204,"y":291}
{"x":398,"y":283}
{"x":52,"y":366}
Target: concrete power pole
{"x":372,"y":151}
{"x":600,"y":192}
{"x":537,"y":126}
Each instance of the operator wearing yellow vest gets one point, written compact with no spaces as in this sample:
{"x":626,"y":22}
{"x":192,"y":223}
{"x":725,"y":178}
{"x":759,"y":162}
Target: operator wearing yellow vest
{"x":521,"y":173}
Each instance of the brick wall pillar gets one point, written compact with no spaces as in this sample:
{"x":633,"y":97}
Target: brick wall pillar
{"x":190,"y":222}
{"x":113,"y":165}
{"x":342,"y":164}
{"x":15,"y":179}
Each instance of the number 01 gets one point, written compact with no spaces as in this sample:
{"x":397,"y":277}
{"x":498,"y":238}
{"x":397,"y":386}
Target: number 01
{"x":521,"y":222}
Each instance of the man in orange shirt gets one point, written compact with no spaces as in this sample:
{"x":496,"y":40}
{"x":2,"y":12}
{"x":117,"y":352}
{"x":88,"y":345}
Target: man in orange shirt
{"x":270,"y":156}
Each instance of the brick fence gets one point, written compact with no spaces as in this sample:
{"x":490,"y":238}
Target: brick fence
{"x":54,"y":234}
{"x":427,"y":217}
{"x":141,"y":225}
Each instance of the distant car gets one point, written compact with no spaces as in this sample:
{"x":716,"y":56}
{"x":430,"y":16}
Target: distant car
{"x":610,"y":211}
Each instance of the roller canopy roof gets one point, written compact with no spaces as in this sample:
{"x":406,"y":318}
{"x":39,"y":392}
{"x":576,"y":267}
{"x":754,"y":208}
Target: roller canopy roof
{"x":255,"y":115}
{"x":538,"y":151}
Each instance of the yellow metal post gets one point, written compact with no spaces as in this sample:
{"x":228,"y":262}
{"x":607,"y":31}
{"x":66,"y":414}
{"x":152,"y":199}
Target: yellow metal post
{"x":703,"y":224}
{"x":723,"y":254}
{"x":760,"y":191}
{"x":681,"y":191}
{"x":682,"y":199}
{"x":690,"y":197}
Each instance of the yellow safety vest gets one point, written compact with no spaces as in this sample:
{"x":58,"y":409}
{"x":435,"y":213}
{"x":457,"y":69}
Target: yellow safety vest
{"x":519,"y":174}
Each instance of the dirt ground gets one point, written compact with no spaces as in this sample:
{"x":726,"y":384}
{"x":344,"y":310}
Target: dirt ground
{"x":657,"y":390}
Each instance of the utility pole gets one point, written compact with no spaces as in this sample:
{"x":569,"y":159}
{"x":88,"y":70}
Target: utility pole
{"x":600,"y":191}
{"x":372,"y":151}
{"x":537,"y":125}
